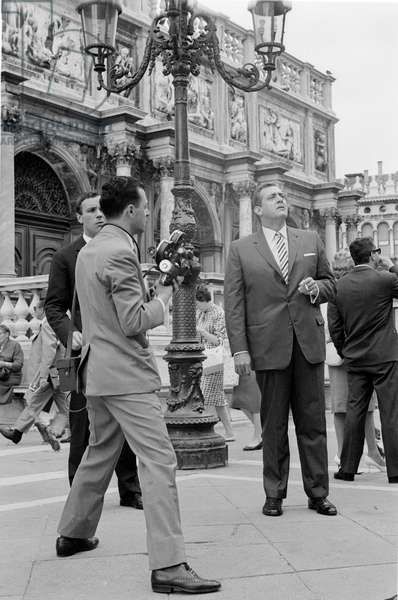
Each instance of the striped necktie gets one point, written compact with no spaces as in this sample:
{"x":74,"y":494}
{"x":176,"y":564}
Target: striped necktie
{"x":281,"y":249}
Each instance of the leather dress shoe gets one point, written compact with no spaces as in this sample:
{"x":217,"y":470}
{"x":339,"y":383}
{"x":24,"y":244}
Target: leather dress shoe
{"x":393,"y":479}
{"x":258,"y":446}
{"x":181,"y":578}
{"x":66,"y":546}
{"x":322,"y":506}
{"x":344,"y":476}
{"x":11,"y":434}
{"x":133,"y":501}
{"x":273,"y":507}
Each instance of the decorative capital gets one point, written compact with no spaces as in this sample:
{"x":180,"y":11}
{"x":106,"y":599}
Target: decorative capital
{"x":165,"y":166}
{"x":352,"y":220}
{"x":330,"y":213}
{"x":243,"y":189}
{"x":124,"y":153}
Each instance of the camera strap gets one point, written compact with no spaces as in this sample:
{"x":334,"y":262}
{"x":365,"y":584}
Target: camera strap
{"x":71,"y":326}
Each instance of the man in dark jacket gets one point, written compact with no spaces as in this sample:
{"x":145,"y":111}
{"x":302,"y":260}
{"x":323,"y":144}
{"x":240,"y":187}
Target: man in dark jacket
{"x":361,"y":325}
{"x":59,"y":298}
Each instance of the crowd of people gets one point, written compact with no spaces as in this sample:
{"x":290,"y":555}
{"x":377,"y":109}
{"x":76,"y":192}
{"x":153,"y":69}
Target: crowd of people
{"x":275,"y":283}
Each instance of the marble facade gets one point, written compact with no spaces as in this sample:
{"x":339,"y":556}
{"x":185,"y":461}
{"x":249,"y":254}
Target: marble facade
{"x":53,"y":110}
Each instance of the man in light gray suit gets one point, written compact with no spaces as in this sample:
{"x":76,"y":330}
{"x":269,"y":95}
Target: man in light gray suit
{"x":275,"y":280}
{"x":117,"y":361}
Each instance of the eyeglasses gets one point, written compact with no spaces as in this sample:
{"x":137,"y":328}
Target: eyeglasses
{"x":376,"y":251}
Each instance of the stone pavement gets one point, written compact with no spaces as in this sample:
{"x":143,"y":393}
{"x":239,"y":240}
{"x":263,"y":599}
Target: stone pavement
{"x":300,"y":556}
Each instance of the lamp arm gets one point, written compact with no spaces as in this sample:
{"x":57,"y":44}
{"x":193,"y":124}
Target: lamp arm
{"x":150,"y":53}
{"x":209,"y":44}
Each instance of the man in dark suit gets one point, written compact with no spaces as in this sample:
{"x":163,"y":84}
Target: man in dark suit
{"x":59,"y":298}
{"x":361,"y":325}
{"x":275,"y":281}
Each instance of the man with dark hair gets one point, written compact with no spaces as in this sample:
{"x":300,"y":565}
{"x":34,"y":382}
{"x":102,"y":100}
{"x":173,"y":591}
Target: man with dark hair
{"x":361,"y":325}
{"x":121,"y":380}
{"x":275,"y":280}
{"x":59,"y":298}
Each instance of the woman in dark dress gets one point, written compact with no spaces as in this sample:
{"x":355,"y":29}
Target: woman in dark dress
{"x":11,"y":362}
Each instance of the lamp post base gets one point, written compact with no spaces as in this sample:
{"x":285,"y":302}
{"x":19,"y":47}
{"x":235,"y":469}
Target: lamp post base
{"x":196,"y":444}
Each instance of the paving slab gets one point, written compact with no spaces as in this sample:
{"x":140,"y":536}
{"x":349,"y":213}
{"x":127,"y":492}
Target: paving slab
{"x":14,"y":577}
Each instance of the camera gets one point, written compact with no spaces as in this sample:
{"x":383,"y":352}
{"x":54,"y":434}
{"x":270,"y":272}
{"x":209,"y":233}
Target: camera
{"x":173,"y":259}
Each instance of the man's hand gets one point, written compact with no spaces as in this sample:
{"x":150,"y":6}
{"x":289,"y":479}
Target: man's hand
{"x":242,"y":363}
{"x":77,"y":340}
{"x":43,"y":382}
{"x":308,"y":287}
{"x":382,"y":262}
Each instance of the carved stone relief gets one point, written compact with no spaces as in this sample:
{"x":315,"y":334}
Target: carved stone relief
{"x":280,"y":134}
{"x":237,"y":113}
{"x":163,"y":96}
{"x":200,"y":110}
{"x":124,"y":65}
{"x":36,"y":35}
{"x":320,"y":150}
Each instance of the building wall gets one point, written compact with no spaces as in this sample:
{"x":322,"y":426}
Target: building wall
{"x":53,"y":110}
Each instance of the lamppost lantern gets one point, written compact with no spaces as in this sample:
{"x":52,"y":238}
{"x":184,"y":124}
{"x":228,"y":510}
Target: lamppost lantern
{"x":269,"y":28}
{"x":182,"y":39}
{"x":99,"y":26}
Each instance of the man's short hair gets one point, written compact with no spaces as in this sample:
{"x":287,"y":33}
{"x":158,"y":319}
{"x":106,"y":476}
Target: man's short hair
{"x":361,"y":250}
{"x":82,"y":198}
{"x":118,"y":193}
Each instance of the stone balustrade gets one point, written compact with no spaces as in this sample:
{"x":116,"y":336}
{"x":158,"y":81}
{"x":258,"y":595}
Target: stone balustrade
{"x":19,"y":295}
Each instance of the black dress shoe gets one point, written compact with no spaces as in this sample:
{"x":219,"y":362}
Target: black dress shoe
{"x":11,"y":434}
{"x":393,"y":479}
{"x":133,"y":501}
{"x":66,"y":546}
{"x":344,"y":476}
{"x":255,"y":447}
{"x":322,"y":506}
{"x":273,"y":507}
{"x":181,"y":578}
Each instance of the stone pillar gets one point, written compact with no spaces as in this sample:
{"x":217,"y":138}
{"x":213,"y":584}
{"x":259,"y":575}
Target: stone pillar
{"x":7,"y":206}
{"x":343,"y":236}
{"x":330,"y":215}
{"x":165,"y":165}
{"x":243,"y":191}
{"x":391,"y":239}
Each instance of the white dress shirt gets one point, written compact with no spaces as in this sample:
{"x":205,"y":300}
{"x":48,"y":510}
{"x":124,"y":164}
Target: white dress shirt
{"x":271,"y":241}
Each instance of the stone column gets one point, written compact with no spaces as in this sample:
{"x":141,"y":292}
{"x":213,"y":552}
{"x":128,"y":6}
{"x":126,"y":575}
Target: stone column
{"x":330,"y":215}
{"x":391,"y":240}
{"x":343,"y":229}
{"x":11,"y":117}
{"x":243,"y":191}
{"x":165,"y":165}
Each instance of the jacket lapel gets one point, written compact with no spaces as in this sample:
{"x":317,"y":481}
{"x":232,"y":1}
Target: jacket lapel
{"x":293,"y":240}
{"x":262,"y":247}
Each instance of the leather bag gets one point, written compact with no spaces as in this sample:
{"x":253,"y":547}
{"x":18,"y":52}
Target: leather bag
{"x":68,"y":366}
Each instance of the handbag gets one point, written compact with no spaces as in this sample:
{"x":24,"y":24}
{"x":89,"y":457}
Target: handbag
{"x":4,"y":374}
{"x":214,"y":359}
{"x":68,"y":366}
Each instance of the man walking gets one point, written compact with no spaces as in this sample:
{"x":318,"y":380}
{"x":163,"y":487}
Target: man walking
{"x":121,"y":380}
{"x":274,"y":282}
{"x":361,"y":325}
{"x":59,"y":298}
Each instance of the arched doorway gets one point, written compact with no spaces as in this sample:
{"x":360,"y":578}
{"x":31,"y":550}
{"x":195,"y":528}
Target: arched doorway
{"x":42,"y":214}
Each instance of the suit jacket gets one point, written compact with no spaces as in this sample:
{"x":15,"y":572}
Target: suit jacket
{"x":361,"y":317}
{"x":45,"y":351}
{"x":61,"y":284}
{"x":116,"y":358}
{"x":262,"y":312}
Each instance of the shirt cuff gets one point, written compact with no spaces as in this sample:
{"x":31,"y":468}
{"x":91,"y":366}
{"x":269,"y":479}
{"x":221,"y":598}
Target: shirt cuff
{"x":241,"y":352}
{"x":314,"y":297}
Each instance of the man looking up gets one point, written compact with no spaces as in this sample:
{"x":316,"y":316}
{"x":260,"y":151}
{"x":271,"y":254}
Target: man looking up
{"x":59,"y":298}
{"x":121,"y":380}
{"x":275,"y":280}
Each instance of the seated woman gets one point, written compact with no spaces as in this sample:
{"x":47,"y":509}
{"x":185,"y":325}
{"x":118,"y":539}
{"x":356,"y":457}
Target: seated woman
{"x":11,"y":362}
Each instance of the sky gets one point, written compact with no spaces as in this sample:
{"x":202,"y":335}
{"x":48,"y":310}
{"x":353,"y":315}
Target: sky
{"x":358,"y":42}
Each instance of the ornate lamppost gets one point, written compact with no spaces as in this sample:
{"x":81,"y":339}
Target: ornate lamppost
{"x":183,"y":38}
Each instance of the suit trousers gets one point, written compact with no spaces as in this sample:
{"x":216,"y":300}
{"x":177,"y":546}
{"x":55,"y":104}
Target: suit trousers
{"x":300,"y":386}
{"x":382,"y":378}
{"x":139,"y":419}
{"x":126,"y":466}
{"x":37,"y":402}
